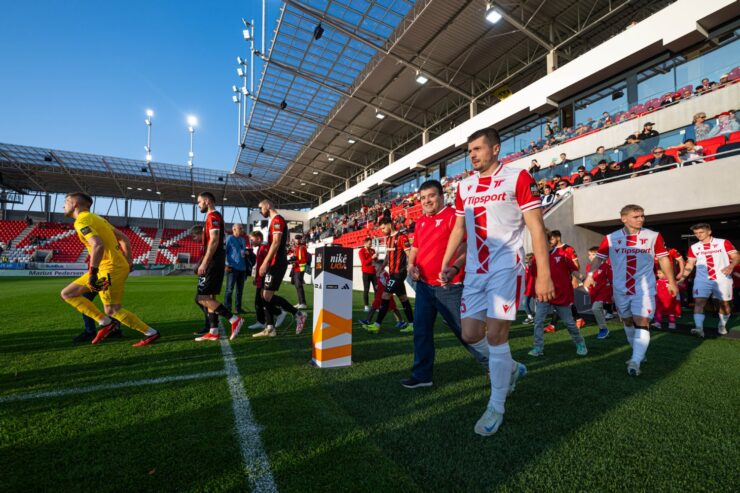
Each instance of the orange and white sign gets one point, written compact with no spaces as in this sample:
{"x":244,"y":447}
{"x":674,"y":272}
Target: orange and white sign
{"x":332,"y":302}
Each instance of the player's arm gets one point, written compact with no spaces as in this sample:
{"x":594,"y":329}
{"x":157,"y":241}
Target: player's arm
{"x":458,"y":264}
{"x":215,"y":237}
{"x":97,"y":248}
{"x":687,"y":268}
{"x":734,"y":260}
{"x":544,"y":288}
{"x":457,"y":235}
{"x":125,"y":245}
{"x":276,"y":237}
{"x":666,"y":265}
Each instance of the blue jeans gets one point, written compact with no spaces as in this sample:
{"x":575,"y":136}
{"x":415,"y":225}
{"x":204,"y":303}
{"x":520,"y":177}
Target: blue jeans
{"x":91,"y":326}
{"x":541,"y":312}
{"x":528,"y":303}
{"x":431,"y":300}
{"x":235,"y":284}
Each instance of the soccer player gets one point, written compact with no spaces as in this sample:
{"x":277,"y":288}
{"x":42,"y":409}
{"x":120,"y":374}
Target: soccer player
{"x":396,"y":259}
{"x":367,"y":257}
{"x":210,"y":270}
{"x":300,"y":260}
{"x":432,"y":297}
{"x":601,"y":292}
{"x":273,"y":270}
{"x":259,"y":303}
{"x":492,"y":206}
{"x":110,"y":264}
{"x":562,"y":268}
{"x":556,"y":241}
{"x":632,"y":251}
{"x":714,"y":260}
{"x":381,"y":278}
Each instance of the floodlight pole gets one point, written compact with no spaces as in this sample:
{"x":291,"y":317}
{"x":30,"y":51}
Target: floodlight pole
{"x":238,"y":102}
{"x":251,"y":69}
{"x":191,"y":130}
{"x":148,"y":121}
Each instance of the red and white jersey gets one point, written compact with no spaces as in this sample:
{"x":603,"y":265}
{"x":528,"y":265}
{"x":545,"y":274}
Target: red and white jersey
{"x":633,"y":259}
{"x":711,"y":257}
{"x":493,"y":207}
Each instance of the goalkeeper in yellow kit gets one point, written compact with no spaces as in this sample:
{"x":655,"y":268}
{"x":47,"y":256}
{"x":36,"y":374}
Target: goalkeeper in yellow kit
{"x":110,"y":264}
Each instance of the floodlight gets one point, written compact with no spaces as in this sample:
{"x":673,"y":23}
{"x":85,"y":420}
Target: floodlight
{"x":146,"y":148}
{"x":235,"y":99}
{"x":148,"y":158}
{"x":149,"y":113}
{"x":318,"y":32}
{"x":315,"y":172}
{"x":247,"y":35}
{"x":421,"y":78}
{"x":240,"y":72}
{"x":379,"y":115}
{"x":192,"y":196}
{"x":129,"y":188}
{"x":148,"y":189}
{"x":245,"y":91}
{"x":351,"y":141}
{"x":330,"y":158}
{"x":159,"y":193}
{"x":192,"y":121}
{"x":292,"y":191}
{"x":302,"y":183}
{"x":234,"y":89}
{"x":190,"y":155}
{"x":240,"y":61}
{"x":139,"y":189}
{"x":492,"y":15}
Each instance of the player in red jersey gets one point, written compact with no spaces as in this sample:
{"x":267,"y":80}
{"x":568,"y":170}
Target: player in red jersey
{"x":601,"y":292}
{"x":273,"y":269}
{"x":367,"y":257}
{"x":714,"y":260}
{"x":381,"y":281}
{"x":492,"y":206}
{"x":210,"y":270}
{"x":556,"y":241}
{"x":529,"y":300}
{"x":666,"y":305}
{"x":632,"y":251}
{"x":432,"y":297}
{"x":257,"y":240}
{"x":562,"y":268}
{"x":299,"y":260}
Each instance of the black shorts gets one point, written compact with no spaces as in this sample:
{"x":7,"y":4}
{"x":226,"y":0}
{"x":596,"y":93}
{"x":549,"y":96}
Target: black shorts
{"x":396,"y":285}
{"x":210,"y":284}
{"x":274,"y":277}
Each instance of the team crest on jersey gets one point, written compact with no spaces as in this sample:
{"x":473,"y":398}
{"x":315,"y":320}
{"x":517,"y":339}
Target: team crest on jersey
{"x":214,"y":222}
{"x":437,"y":222}
{"x":506,"y":308}
{"x":619,"y":242}
{"x":497,"y":183}
{"x":534,"y":190}
{"x":557,"y":260}
{"x":643,"y":241}
{"x":276,"y":227}
{"x":470,"y":187}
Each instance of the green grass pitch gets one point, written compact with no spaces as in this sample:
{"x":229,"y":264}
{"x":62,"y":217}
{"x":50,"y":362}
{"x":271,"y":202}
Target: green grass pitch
{"x":573,"y":424}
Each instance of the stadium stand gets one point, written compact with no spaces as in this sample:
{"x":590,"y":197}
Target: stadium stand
{"x":175,"y":242}
{"x":9,"y":230}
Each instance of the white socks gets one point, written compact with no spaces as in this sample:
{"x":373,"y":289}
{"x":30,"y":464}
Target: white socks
{"x":630,"y":333}
{"x":481,"y":347}
{"x":105,"y":320}
{"x":723,"y":319}
{"x":699,"y":320}
{"x":214,"y":331}
{"x":150,"y":332}
{"x":500,"y":364}
{"x":233,"y":319}
{"x":640,"y":344}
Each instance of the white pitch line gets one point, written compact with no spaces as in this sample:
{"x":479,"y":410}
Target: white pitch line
{"x":109,"y":386}
{"x":253,"y":454}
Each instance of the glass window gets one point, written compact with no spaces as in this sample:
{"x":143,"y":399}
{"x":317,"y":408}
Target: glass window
{"x":711,"y":65}
{"x":612,"y":99}
{"x":457,"y":165}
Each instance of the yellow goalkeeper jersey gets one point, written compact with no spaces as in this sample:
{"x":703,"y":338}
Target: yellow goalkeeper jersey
{"x":87,"y":225}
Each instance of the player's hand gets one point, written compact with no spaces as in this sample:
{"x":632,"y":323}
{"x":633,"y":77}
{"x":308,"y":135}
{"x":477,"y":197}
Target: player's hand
{"x":201,"y":269}
{"x":446,"y":275}
{"x":263,"y":269}
{"x":413,"y":272}
{"x":227,"y":268}
{"x":679,"y":278}
{"x":589,"y":282}
{"x":544,"y":288}
{"x":727,"y":270}
{"x":672,"y":288}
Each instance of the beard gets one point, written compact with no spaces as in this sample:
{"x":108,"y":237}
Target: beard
{"x":265,"y":214}
{"x":204,"y":208}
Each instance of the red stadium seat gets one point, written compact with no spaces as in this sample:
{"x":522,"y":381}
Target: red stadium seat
{"x":640,"y":161}
{"x":710,"y":146}
{"x":734,"y":137}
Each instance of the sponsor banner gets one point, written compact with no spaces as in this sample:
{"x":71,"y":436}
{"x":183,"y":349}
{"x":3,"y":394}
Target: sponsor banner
{"x":42,"y":273}
{"x":12,"y":265}
{"x":70,"y":266}
{"x":332,"y":308}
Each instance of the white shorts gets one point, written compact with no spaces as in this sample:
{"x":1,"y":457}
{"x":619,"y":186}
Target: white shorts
{"x":494,"y":295}
{"x":721,"y":289}
{"x":634,"y":305}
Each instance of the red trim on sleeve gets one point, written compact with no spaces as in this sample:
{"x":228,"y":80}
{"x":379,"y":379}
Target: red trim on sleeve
{"x":459,"y":207}
{"x":526,"y":192}
{"x":659,"y":247}
{"x":690,"y":254}
{"x":603,"y":251}
{"x":729,"y":247}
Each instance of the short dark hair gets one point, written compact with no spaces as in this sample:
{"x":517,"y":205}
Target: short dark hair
{"x":701,"y":226}
{"x":81,"y":197}
{"x":385,"y":220}
{"x":367,"y":238}
{"x":593,"y":249}
{"x":603,"y":161}
{"x":431,"y":184}
{"x":689,"y":140}
{"x":490,"y":133}
{"x":208,"y":195}
{"x":581,"y":168}
{"x":257,"y":233}
{"x":555,"y":232}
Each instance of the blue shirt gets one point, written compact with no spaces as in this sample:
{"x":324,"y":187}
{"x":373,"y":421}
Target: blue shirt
{"x":236,"y":249}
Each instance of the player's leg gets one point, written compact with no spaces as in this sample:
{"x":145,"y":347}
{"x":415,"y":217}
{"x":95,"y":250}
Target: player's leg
{"x":542,"y":309}
{"x":366,"y":291}
{"x":426,"y":310}
{"x":472,"y":309}
{"x":447,"y":301}
{"x":597,"y":308}
{"x":622,"y":305}
{"x":642,"y":306}
{"x":91,"y":326}
{"x":700,"y":302}
{"x":112,"y":299}
{"x":206,"y":322}
{"x":230,"y":285}
{"x":723,"y":292}
{"x":407,"y":310}
{"x":73,"y":294}
{"x":241,"y":277}
{"x":566,"y":314}
{"x":385,"y":301}
{"x":209,"y":286}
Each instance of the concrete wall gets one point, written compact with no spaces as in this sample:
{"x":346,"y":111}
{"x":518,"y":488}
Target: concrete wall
{"x":684,"y":193}
{"x":677,"y":26}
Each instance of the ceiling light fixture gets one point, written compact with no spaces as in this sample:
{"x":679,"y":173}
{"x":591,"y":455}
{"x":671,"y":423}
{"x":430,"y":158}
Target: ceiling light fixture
{"x":318,"y":32}
{"x":492,"y":15}
{"x":421,"y":78}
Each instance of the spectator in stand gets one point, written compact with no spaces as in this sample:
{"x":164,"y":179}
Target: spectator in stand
{"x":705,"y":84}
{"x":668,"y":99}
{"x":587,"y":180}
{"x":598,"y":156}
{"x":701,"y":127}
{"x":699,"y":90}
{"x":725,"y":125}
{"x":602,"y":173}
{"x":616,"y":169}
{"x":648,"y":132}
{"x":534,"y":167}
{"x":687,"y":94}
{"x":367,"y":257}
{"x":564,"y":189}
{"x":563,"y":159}
{"x":578,"y":180}
{"x":548,"y":198}
{"x":236,"y":267}
{"x":660,"y":158}
{"x":631,"y":148}
{"x":724,"y":79}
{"x":690,"y":153}
{"x":605,"y":120}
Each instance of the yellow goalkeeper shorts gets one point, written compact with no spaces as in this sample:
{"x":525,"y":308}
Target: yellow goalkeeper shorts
{"x":114,"y":294}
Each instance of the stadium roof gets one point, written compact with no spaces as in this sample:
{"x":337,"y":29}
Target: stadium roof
{"x":315,"y":124}
{"x":315,"y":120}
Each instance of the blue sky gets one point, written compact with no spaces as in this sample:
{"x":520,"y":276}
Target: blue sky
{"x":79,"y":75}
